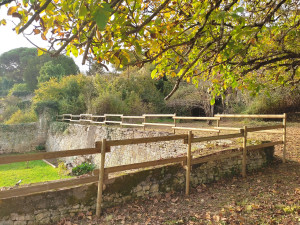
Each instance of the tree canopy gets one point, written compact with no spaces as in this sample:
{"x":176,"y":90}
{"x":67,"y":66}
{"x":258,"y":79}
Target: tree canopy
{"x":231,"y":43}
{"x":23,"y":65}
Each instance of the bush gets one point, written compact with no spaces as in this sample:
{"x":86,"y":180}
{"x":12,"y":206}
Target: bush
{"x":279,"y":101}
{"x":40,"y":106}
{"x":22,"y":117}
{"x":68,"y":93}
{"x":19,"y":90}
{"x":40,"y":148}
{"x":84,"y":168}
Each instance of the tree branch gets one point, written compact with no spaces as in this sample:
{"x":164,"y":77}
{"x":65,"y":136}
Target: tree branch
{"x":5,"y":2}
{"x":34,"y":16}
{"x":186,"y":70}
{"x":148,"y":20}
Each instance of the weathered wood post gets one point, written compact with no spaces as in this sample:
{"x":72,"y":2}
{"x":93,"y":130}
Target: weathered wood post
{"x":218,"y":124}
{"x":144,"y":122}
{"x":174,"y":117}
{"x":244,"y":161}
{"x":284,"y":137}
{"x":101,"y":178}
{"x":188,"y":163}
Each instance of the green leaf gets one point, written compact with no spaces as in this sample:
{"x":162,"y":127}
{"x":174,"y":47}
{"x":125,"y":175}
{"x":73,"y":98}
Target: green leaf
{"x":101,"y":15}
{"x":212,"y":101}
{"x":74,"y":51}
{"x":82,"y":12}
{"x":240,"y":9}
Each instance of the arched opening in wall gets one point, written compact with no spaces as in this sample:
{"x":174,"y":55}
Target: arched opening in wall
{"x":197,"y":111}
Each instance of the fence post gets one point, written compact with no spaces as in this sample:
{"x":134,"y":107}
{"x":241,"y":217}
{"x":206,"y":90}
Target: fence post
{"x":284,"y":138}
{"x":174,"y":123}
{"x":188,"y":163}
{"x":218,"y":124}
{"x":101,"y":178}
{"x":244,"y":161}
{"x":144,"y":122}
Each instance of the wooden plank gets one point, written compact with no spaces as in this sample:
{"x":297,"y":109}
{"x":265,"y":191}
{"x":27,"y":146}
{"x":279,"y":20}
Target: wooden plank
{"x":101,"y":178}
{"x":195,"y":118}
{"x":244,"y":159}
{"x":108,"y":121}
{"x":144,"y":164}
{"x":229,"y":128}
{"x":269,"y":131}
{"x":76,"y":116}
{"x":37,"y":188}
{"x":84,"y":120}
{"x":98,"y":116}
{"x":219,"y":137}
{"x":188,"y":163}
{"x":75,"y":121}
{"x":132,"y":124}
{"x":284,"y":138}
{"x":158,"y":115}
{"x":253,"y":129}
{"x":145,"y":140}
{"x":264,"y":145}
{"x":196,"y":129}
{"x":267,"y":116}
{"x":47,"y":155}
{"x":133,"y":117}
{"x":159,"y":124}
{"x":215,"y":157}
{"x":118,"y":115}
{"x":96,"y":122}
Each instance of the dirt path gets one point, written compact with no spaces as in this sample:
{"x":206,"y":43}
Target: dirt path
{"x":269,"y":196}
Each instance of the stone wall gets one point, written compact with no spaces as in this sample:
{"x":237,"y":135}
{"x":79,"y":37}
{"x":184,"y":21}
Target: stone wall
{"x":76,"y":136}
{"x":20,"y":138}
{"x":45,"y":208}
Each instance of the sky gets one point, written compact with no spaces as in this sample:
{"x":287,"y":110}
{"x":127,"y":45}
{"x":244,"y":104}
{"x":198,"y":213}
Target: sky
{"x":10,"y":40}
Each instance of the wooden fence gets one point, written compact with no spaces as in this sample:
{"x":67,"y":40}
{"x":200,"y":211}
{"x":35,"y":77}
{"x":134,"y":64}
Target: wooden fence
{"x":102,"y":147}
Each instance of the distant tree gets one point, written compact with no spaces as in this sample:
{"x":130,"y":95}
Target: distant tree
{"x":50,"y":70}
{"x":14,"y":62}
{"x":24,"y":65}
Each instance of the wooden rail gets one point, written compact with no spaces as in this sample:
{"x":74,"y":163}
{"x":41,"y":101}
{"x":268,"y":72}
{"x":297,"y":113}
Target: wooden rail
{"x":47,"y":155}
{"x":187,"y":160}
{"x":262,"y":116}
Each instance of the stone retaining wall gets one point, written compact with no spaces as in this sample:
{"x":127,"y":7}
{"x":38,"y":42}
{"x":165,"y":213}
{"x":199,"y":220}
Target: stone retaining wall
{"x":20,"y":138}
{"x":77,"y":136}
{"x":45,"y":208}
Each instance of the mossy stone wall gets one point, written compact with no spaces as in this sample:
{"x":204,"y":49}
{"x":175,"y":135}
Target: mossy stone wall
{"x":47,"y":208}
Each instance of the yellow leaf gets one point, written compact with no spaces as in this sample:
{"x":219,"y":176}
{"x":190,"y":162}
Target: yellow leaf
{"x":43,"y":37}
{"x":188,"y":79}
{"x":12,"y":9}
{"x":41,"y":51}
{"x":3,"y":22}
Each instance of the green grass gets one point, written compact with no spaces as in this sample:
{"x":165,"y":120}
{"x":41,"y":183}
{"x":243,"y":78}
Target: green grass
{"x":34,"y":172}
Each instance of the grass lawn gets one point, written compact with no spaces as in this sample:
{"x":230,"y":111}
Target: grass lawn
{"x":34,"y":172}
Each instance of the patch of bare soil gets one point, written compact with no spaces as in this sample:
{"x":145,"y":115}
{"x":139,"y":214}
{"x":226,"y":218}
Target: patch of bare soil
{"x":268,"y":196}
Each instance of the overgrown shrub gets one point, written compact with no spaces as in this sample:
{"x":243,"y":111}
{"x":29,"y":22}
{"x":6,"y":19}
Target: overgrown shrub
{"x":83,"y":168}
{"x":68,"y":93}
{"x":22,"y":117}
{"x":19,"y":90}
{"x":278,"y":101}
{"x":41,"y":105}
{"x":40,"y":147}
